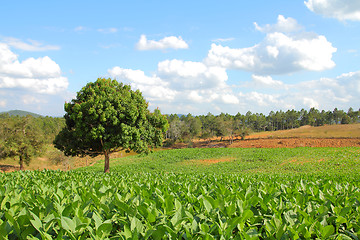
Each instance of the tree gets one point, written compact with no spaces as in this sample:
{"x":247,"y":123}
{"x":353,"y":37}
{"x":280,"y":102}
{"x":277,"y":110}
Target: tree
{"x":20,"y":137}
{"x":107,"y":116}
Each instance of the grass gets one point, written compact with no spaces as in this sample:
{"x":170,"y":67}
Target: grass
{"x":304,"y":160}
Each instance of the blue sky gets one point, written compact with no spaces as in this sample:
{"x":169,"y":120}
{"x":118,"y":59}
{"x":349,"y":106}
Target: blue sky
{"x":185,"y":56}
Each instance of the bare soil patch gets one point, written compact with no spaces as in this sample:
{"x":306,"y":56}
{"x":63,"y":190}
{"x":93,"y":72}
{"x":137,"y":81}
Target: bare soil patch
{"x":8,"y":168}
{"x":274,"y":143}
{"x":206,"y":161}
{"x":296,"y":142}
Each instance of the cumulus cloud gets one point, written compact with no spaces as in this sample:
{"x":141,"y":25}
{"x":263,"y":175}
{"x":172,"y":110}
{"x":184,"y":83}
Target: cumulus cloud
{"x":260,"y":99}
{"x":310,"y":103}
{"x":41,"y":75}
{"x":32,"y":45}
{"x":266,"y":81}
{"x":173,"y":78}
{"x":284,"y":25}
{"x":179,"y":85}
{"x":339,"y":9}
{"x":165,"y":89}
{"x":278,"y":53}
{"x":152,"y":87}
{"x":230,"y":99}
{"x":191,"y":75}
{"x":324,"y":93}
{"x":165,"y":43}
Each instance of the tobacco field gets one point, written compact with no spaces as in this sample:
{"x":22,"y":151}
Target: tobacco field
{"x":302,"y":193}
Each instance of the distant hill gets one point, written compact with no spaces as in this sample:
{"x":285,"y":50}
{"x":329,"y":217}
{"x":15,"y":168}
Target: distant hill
{"x":20,"y":113}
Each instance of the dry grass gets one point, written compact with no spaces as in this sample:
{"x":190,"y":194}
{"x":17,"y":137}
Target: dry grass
{"x":327,"y":131}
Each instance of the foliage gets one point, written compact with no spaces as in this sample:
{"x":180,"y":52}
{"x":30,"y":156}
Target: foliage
{"x":138,"y":202}
{"x":20,"y":137}
{"x":107,"y":116}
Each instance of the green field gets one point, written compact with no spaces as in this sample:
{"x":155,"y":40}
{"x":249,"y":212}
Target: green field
{"x":300,"y":193}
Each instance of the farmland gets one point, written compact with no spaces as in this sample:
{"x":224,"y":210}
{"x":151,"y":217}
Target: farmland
{"x":219,"y":193}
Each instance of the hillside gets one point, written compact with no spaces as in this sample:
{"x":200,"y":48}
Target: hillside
{"x":20,"y":113}
{"x":326,"y":131}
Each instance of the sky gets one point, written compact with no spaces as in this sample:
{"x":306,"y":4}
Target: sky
{"x":184,"y":56}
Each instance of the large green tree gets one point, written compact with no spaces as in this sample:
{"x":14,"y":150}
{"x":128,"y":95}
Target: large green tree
{"x":20,"y":137}
{"x":108,"y":116}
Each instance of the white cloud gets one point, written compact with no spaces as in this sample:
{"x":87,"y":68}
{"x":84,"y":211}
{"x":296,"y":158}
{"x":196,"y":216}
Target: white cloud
{"x":230,"y":99}
{"x":108,"y":30}
{"x":165,"y":89}
{"x":28,"y":99}
{"x":3,"y":103}
{"x":32,"y":46}
{"x":260,"y":99}
{"x":179,"y":85}
{"x":266,"y":81}
{"x":324,"y":93}
{"x":278,"y":53}
{"x":152,"y":87}
{"x":191,"y":75}
{"x":339,"y":9}
{"x":165,"y":43}
{"x":41,"y":75}
{"x":284,"y":25}
{"x":310,"y":103}
{"x":223,"y":39}
{"x":195,"y":96}
{"x":80,"y":29}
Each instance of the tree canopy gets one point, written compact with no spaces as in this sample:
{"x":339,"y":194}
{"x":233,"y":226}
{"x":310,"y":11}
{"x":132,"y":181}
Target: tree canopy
{"x":108,"y":116}
{"x":20,"y":137}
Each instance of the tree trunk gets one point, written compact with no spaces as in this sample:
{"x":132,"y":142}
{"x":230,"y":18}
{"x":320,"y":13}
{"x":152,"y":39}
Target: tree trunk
{"x":21,"y":162}
{"x":107,"y":162}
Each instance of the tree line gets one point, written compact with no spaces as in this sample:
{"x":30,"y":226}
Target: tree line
{"x":187,"y":127}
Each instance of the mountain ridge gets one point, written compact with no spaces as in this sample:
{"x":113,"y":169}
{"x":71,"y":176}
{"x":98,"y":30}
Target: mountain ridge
{"x":21,"y":113}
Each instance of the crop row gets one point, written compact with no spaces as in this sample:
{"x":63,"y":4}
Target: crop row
{"x":82,"y":205}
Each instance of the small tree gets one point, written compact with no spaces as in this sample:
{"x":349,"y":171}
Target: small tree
{"x":107,"y":116}
{"x":243,"y":132}
{"x":20,"y":137}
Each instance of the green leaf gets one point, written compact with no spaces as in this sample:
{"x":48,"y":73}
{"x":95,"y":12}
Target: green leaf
{"x":176,"y":218}
{"x":246,"y":215}
{"x":327,"y":231}
{"x":127,"y":232}
{"x":159,"y":233}
{"x":68,"y":224}
{"x":207,"y":205}
{"x":97,"y":219}
{"x":5,"y":229}
{"x":169,"y":204}
{"x":104,"y":229}
{"x":36,"y":222}
{"x":136,"y":224}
